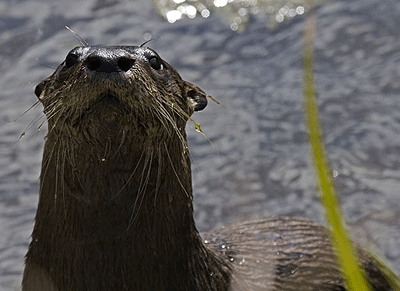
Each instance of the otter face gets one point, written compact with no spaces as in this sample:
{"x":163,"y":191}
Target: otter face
{"x":106,"y":63}
{"x":115,"y":85}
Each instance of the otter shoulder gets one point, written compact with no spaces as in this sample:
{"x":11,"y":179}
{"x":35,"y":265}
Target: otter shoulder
{"x":283,"y":253}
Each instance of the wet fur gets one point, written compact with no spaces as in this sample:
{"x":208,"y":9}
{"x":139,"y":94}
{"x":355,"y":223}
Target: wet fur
{"x":115,"y":209}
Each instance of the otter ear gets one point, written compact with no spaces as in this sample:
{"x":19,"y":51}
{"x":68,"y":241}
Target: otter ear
{"x":197,"y":98}
{"x":39,"y":88}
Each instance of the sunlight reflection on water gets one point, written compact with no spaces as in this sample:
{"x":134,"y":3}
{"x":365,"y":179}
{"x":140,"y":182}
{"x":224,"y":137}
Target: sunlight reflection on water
{"x":237,"y":12}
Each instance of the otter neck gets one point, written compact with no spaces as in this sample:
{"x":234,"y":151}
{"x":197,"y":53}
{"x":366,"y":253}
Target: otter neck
{"x":128,"y":213}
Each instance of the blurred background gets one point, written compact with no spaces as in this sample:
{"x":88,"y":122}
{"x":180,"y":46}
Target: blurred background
{"x":247,"y":55}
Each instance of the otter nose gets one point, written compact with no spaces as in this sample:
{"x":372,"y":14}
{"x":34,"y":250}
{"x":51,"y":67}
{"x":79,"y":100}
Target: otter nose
{"x":107,"y":62}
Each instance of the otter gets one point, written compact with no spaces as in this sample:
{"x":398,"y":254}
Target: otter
{"x":115,"y":210}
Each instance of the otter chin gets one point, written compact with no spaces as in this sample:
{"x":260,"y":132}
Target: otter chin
{"x":115,"y":209}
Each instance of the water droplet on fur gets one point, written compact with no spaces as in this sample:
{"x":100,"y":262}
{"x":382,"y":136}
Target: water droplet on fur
{"x":286,"y":270}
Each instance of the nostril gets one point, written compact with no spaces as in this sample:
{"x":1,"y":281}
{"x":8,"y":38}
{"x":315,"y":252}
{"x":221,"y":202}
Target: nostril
{"x":94,"y":63}
{"x":125,"y":64}
{"x":109,"y":62}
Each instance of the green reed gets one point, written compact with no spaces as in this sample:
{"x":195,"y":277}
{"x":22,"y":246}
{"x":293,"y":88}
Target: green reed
{"x":345,"y":252}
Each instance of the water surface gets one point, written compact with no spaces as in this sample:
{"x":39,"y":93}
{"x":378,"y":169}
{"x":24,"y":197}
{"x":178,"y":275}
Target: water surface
{"x":258,"y":163}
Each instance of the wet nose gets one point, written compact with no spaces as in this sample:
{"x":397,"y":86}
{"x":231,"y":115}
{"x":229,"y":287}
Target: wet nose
{"x":109,"y":62}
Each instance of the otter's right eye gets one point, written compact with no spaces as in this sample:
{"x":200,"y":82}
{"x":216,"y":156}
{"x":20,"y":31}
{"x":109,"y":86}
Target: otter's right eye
{"x":71,"y":60}
{"x":155,"y":63}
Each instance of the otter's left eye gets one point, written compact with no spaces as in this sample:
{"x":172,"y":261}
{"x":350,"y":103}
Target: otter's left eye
{"x":155,"y":63}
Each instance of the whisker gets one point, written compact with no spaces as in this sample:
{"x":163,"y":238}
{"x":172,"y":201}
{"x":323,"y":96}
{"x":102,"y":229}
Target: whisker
{"x":142,"y":189}
{"x":27,"y":110}
{"x":31,"y":124}
{"x":81,"y":40}
{"x":159,"y":174}
{"x":47,"y":163}
{"x":164,"y":112}
{"x":62,"y":173}
{"x":146,"y":42}
{"x":173,"y":168}
{"x":59,"y":114}
{"x":197,"y":126}
{"x":130,"y":177}
{"x":123,"y":139}
{"x":43,"y":65}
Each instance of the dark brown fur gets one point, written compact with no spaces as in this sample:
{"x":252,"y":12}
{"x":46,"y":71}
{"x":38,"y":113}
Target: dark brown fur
{"x":115,"y":209}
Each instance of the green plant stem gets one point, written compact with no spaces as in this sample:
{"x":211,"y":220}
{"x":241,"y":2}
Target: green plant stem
{"x":345,"y":253}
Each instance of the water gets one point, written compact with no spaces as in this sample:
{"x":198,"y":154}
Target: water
{"x":237,"y":12}
{"x":258,"y":163}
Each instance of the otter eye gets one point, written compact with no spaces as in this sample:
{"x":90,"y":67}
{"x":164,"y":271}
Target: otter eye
{"x":155,"y":63}
{"x":71,"y":60}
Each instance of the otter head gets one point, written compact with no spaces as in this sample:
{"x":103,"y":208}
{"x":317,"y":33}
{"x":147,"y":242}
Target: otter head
{"x":105,"y":90}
